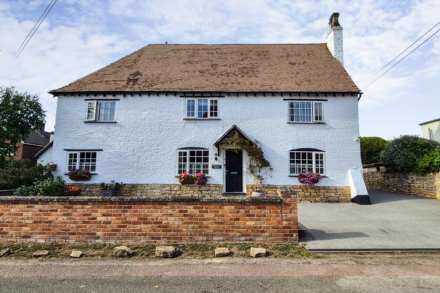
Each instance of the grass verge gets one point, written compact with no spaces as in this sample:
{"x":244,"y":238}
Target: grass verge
{"x":190,"y":250}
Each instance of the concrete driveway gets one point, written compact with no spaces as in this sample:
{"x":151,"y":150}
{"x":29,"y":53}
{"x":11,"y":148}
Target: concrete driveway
{"x":393,"y":221}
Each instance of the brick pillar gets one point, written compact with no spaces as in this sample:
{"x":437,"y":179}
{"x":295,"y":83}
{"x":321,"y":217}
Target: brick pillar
{"x":289,"y":215}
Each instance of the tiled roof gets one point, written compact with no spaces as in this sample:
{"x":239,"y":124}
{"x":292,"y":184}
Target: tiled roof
{"x":308,"y":68}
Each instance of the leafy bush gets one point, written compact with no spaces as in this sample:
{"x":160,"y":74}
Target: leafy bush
{"x":372,"y":148}
{"x":46,"y":187}
{"x":49,"y":187}
{"x":14,"y":174}
{"x":430,"y":162}
{"x":24,"y":191}
{"x":402,"y":154}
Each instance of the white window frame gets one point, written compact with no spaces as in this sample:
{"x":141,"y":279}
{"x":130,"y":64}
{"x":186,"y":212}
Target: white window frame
{"x":314,"y":106}
{"x":95,"y":107}
{"x":78,"y":159}
{"x":196,"y":102}
{"x":187,"y":163}
{"x":314,"y":165}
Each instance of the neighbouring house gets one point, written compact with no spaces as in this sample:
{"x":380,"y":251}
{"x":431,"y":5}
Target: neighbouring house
{"x":431,"y":129}
{"x":29,"y":147}
{"x":169,"y":109}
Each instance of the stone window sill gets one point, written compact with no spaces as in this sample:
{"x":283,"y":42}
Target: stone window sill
{"x":104,"y":122}
{"x":322,"y":176}
{"x":303,"y":123}
{"x":201,"y":119}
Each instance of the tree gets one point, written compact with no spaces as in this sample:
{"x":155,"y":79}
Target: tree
{"x":372,"y":148}
{"x":20,"y":114}
{"x":404,"y":153}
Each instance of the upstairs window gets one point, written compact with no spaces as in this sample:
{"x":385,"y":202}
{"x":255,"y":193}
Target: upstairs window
{"x":101,"y":111}
{"x":202,"y":108}
{"x":305,"y":112}
{"x":85,"y":160}
{"x":307,"y":160}
{"x":193,"y":161}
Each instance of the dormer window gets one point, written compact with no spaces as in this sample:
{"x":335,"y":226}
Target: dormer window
{"x":101,"y":111}
{"x":202,"y":108}
{"x":306,"y":112}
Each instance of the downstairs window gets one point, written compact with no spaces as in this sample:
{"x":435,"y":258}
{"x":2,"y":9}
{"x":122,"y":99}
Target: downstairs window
{"x":193,"y":161}
{"x":307,"y":160}
{"x":84,"y":160}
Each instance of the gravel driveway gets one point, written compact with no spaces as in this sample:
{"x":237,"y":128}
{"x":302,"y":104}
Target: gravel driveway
{"x":393,"y":221}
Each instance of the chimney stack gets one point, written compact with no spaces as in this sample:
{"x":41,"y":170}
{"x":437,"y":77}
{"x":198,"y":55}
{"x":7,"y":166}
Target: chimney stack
{"x":334,"y":38}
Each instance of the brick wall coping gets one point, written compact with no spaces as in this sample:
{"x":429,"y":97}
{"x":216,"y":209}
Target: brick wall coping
{"x":129,"y":199}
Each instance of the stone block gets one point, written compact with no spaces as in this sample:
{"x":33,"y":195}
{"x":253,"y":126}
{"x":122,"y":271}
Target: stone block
{"x":167,"y":251}
{"x":258,"y":252}
{"x":222,"y":252}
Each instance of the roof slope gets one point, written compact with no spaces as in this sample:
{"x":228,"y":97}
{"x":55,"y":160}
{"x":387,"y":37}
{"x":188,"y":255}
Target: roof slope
{"x":38,"y":137}
{"x":220,"y":68}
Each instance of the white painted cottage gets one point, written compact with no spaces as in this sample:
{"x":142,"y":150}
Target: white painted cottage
{"x":166,"y":109}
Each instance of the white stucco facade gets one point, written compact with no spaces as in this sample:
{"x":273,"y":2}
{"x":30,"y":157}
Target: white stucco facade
{"x":141,"y":147}
{"x":431,"y":130}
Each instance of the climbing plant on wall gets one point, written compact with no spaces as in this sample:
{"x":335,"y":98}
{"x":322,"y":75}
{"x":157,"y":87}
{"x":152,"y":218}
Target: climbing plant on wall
{"x":257,"y":161}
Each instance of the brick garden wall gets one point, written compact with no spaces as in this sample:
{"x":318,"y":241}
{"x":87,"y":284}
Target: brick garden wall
{"x":148,"y":220}
{"x":302,"y":192}
{"x":412,"y":184}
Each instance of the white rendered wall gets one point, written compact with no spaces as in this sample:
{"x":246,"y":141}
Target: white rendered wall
{"x":435,"y":130}
{"x":46,"y":157}
{"x":335,"y":43}
{"x":141,"y":146}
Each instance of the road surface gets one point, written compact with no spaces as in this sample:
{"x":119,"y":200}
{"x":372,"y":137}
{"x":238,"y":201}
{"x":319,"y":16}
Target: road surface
{"x":336,"y":273}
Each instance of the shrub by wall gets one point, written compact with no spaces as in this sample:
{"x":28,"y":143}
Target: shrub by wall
{"x":402,"y":154}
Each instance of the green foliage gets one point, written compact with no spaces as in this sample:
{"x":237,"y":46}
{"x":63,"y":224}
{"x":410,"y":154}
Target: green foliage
{"x":24,"y":191}
{"x":17,"y":173}
{"x":20,"y":113}
{"x":257,"y":162}
{"x":403,"y":154}
{"x":50,"y":187}
{"x":430,"y":162}
{"x":46,"y":187}
{"x":372,"y":148}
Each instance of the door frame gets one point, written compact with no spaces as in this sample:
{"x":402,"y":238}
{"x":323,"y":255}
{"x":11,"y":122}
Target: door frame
{"x":243,"y":173}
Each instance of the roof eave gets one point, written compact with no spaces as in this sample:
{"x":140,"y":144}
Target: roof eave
{"x":182,"y":92}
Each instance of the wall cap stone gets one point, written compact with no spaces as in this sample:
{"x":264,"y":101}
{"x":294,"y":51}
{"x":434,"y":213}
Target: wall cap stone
{"x":129,"y":199}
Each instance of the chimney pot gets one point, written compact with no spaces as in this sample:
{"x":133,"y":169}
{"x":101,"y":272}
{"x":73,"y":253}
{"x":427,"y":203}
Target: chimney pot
{"x":334,"y":20}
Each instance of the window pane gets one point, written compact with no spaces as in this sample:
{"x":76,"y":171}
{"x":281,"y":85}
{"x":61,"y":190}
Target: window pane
{"x":72,"y":161}
{"x":213,"y":108}
{"x":106,"y":110}
{"x":182,"y":162}
{"x":87,"y":161}
{"x":202,"y":108}
{"x":190,"y":108}
{"x":300,"y":111}
{"x":318,"y":112}
{"x":91,"y":110}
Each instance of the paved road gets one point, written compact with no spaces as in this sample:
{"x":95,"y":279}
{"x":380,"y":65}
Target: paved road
{"x":392,"y":221}
{"x":415,"y":273}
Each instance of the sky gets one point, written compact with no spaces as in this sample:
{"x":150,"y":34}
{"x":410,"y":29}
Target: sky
{"x":81,"y":36}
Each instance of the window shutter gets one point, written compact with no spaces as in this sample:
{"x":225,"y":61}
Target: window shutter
{"x":91,"y":111}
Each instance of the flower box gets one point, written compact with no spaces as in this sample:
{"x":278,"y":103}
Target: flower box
{"x":80,"y":175}
{"x":309,"y":178}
